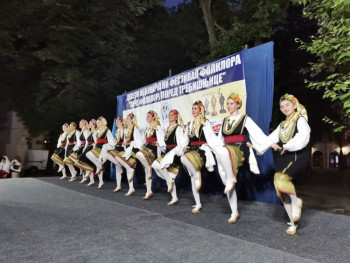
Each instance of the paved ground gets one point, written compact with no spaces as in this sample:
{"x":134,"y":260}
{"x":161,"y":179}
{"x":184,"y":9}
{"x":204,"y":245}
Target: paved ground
{"x":48,"y":220}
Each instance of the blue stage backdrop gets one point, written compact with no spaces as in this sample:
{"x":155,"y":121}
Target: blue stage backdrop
{"x":257,"y":93}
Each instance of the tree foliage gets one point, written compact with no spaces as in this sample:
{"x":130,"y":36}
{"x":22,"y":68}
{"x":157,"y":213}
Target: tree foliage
{"x":61,"y":60}
{"x":331,"y":72}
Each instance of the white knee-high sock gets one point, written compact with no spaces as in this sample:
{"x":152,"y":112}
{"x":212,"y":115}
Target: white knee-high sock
{"x":232,"y":200}
{"x":64,"y":173}
{"x":92,"y":179}
{"x":118,"y":175}
{"x":72,"y":171}
{"x":173,"y":193}
{"x":100,"y":177}
{"x":195,"y":192}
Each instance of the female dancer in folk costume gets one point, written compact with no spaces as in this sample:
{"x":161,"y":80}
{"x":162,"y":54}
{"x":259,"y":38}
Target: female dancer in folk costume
{"x":293,"y":136}
{"x":59,"y":153}
{"x":109,"y":152}
{"x":73,"y":144}
{"x":197,"y":152}
{"x":80,"y":147}
{"x":83,"y":162}
{"x":167,"y":166}
{"x":151,"y":149}
{"x":232,"y":151}
{"x":127,"y":158}
{"x":103,"y":136}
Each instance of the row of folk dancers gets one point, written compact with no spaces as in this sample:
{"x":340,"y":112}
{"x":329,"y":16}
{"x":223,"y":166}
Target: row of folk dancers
{"x":194,"y":147}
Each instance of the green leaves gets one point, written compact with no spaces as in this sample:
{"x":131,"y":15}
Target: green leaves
{"x":331,"y":45}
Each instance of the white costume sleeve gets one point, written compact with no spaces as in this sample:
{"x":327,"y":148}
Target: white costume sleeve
{"x":86,"y":134}
{"x":211,"y":138}
{"x":160,"y":139}
{"x":301,"y":138}
{"x":258,"y":138}
{"x":139,"y":140}
{"x":182,"y":141}
{"x":6,"y":166}
{"x":180,"y":138}
{"x":78,"y":144}
{"x":59,"y":142}
{"x":215,"y":142}
{"x":274,"y":137}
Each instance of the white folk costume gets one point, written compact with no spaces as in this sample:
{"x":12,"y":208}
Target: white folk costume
{"x":149,"y":151}
{"x":167,"y":166}
{"x":293,"y":136}
{"x":73,"y":144}
{"x":198,"y":133}
{"x":83,"y":162}
{"x":127,"y":158}
{"x":59,"y":153}
{"x":103,"y":136}
{"x":4,"y":167}
{"x":232,"y":151}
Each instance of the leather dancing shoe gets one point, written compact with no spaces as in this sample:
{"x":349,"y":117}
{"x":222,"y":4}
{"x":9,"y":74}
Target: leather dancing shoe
{"x":196,"y":209}
{"x":100,"y":186}
{"x":173,"y":202}
{"x":292,"y":230}
{"x":91,"y":183}
{"x":146,"y":197}
{"x":117,"y":189}
{"x":130,"y":192}
{"x":83,"y":180}
{"x":63,"y":177}
{"x":72,"y":179}
{"x":233,"y":218}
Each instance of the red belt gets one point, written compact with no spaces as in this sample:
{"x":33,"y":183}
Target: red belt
{"x":63,"y":144}
{"x":102,"y":141}
{"x":235,"y":138}
{"x":151,"y":139}
{"x":71,"y":143}
{"x":171,"y":145}
{"x":83,"y":142}
{"x":119,"y":143}
{"x":90,"y":143}
{"x":197,"y":143}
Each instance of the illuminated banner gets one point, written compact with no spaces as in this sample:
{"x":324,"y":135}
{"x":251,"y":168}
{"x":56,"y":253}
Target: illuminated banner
{"x":211,"y":83}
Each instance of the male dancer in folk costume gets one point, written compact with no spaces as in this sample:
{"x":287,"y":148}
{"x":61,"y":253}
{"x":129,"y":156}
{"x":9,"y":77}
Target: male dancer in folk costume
{"x":293,"y":136}
{"x":103,"y":136}
{"x":59,"y":153}
{"x":109,"y":152}
{"x":83,"y":162}
{"x":132,"y":142}
{"x":197,"y":152}
{"x":151,"y":148}
{"x":73,"y":144}
{"x":232,"y":151}
{"x":80,"y":147}
{"x":167,"y":166}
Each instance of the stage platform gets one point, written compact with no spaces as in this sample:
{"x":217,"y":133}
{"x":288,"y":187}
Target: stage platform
{"x":48,"y":220}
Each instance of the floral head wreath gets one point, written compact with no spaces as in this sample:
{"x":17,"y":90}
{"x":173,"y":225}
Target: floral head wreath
{"x":202,"y":108}
{"x":103,"y":121}
{"x":133,"y":118}
{"x":155,"y":116}
{"x":289,"y":97}
{"x":235,"y":98}
{"x":300,"y":108}
{"x":93,"y":121}
{"x":73,"y":124}
{"x":179,"y":119}
{"x":119,"y":118}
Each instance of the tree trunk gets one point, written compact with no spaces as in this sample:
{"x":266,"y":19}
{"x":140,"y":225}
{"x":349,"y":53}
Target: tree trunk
{"x":208,"y":19}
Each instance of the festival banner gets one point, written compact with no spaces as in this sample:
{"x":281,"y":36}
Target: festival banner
{"x":211,"y":83}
